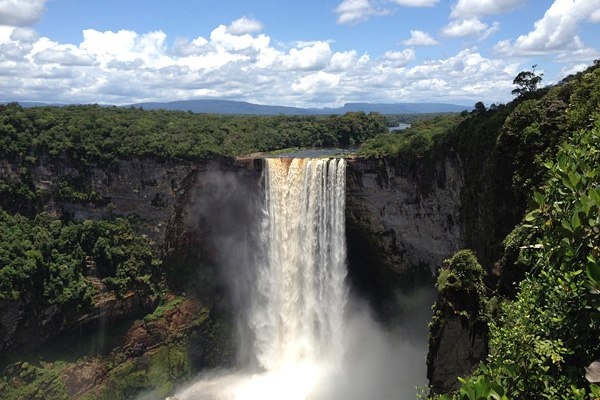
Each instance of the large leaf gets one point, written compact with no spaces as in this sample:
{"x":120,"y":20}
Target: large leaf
{"x":593,"y":272}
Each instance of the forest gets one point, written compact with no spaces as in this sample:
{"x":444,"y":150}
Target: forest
{"x":99,"y":134}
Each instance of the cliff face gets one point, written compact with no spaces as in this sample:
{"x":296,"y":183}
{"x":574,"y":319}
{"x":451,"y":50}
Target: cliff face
{"x":403,"y":219}
{"x":155,"y":193}
{"x":414,"y":207}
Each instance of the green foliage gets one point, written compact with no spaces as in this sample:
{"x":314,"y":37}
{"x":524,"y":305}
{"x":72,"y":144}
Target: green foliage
{"x":461,"y":272}
{"x":411,"y":142}
{"x":461,"y":289}
{"x":162,"y":308}
{"x":48,"y":259}
{"x":503,"y":152}
{"x":541,"y":341}
{"x":527,"y":82}
{"x":26,"y":381}
{"x":94,"y":134}
{"x":481,"y":388}
{"x":546,"y":331}
{"x":151,"y":376}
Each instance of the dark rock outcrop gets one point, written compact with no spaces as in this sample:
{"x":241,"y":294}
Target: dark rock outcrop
{"x":460,"y":345}
{"x":458,"y":331}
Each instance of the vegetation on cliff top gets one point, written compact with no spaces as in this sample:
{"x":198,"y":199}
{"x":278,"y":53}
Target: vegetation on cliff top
{"x":92,"y":134}
{"x":411,"y":142}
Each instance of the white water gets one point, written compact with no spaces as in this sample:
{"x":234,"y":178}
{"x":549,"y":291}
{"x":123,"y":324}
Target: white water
{"x":297,"y":310}
{"x":303,"y":345}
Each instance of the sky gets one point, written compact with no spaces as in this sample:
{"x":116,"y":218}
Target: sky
{"x":309,"y":53}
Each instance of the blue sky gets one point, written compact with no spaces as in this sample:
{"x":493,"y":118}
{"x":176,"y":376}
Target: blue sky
{"x":310,"y":53}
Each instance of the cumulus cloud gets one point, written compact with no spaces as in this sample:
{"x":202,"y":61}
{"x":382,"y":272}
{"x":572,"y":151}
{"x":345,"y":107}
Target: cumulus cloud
{"x":573,"y":69}
{"x":244,"y":25}
{"x":21,"y":12}
{"x":125,"y":46}
{"x":24,"y":35}
{"x":556,"y":31}
{"x":470,"y":27}
{"x":65,"y":55}
{"x":471,"y":8}
{"x":313,"y":56}
{"x":419,"y":38}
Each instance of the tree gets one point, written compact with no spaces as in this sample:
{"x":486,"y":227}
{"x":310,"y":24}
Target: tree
{"x":479,"y":108}
{"x":527,"y":82}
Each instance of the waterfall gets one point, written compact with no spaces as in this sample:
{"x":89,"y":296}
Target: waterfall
{"x":300,"y":293}
{"x":297,"y":301}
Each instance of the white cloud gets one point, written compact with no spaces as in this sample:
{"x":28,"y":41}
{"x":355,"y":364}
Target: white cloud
{"x":470,"y":27}
{"x":309,"y":58}
{"x":419,"y":38}
{"x":21,"y":12}
{"x":573,"y":69}
{"x":354,"y":11}
{"x":584,"y":54}
{"x":126,"y":67}
{"x":25,"y":35}
{"x":416,"y":3}
{"x":221,"y":37}
{"x":244,"y":25}
{"x":471,"y":8}
{"x":316,"y":82}
{"x":399,"y":59}
{"x":555,"y":32}
{"x":595,"y":16}
{"x":110,"y":45}
{"x":341,"y":61}
{"x":65,"y":55}
{"x":468,"y":72}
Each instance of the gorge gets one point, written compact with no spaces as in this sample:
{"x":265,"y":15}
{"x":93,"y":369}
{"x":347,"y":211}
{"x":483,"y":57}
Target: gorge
{"x":127,"y":236}
{"x":207,"y":206}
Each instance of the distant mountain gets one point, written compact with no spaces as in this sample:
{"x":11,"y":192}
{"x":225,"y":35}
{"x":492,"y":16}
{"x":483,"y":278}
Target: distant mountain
{"x":398,"y":108}
{"x":223,"y":107}
{"x":241,"y":107}
{"x":28,"y":104}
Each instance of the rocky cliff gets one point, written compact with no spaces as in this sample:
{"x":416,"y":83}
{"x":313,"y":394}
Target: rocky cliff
{"x":403,"y":219}
{"x":155,"y":193}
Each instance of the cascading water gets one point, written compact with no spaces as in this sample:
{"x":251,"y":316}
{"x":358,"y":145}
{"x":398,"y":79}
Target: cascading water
{"x":296,"y":309}
{"x":297,"y":312}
